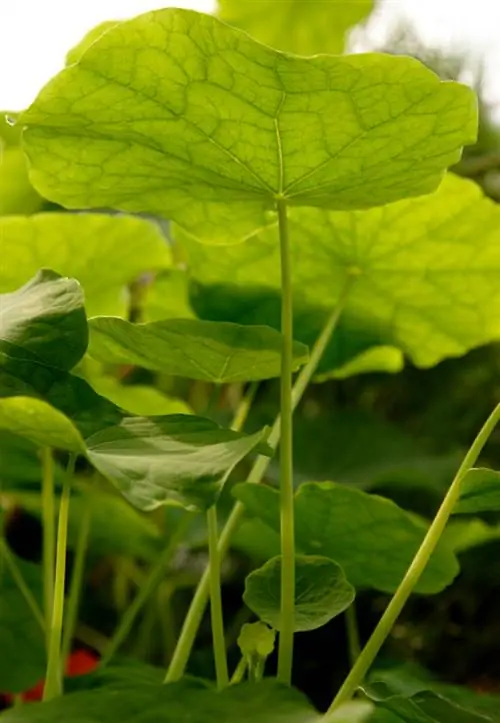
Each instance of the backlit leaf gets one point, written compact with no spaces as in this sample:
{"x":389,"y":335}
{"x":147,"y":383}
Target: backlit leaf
{"x":17,"y":195}
{"x":372,"y":538}
{"x":305,"y":27}
{"x":321,"y":592}
{"x":180,"y":459}
{"x":426,"y":272}
{"x":176,"y":114}
{"x":168,"y":297}
{"x":211,"y":351}
{"x":104,"y":253}
{"x":479,"y":492}
{"x":74,"y":55}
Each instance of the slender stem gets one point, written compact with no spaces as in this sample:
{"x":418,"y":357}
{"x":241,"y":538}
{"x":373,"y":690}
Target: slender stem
{"x":239,"y":671}
{"x":53,"y":679}
{"x":219,"y":643}
{"x":49,"y":535}
{"x":75,"y":591}
{"x":154,"y":579}
{"x":198,"y":603}
{"x":353,"y":644}
{"x":18,"y":578}
{"x":386,"y":623}
{"x":287,"y":612}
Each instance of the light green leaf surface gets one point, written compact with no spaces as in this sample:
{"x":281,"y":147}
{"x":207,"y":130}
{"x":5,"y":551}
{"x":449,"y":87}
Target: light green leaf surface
{"x":426,"y":279}
{"x":321,"y":592}
{"x":256,"y":639}
{"x":138,"y":399}
{"x":211,"y":351}
{"x":17,"y":195}
{"x":43,"y":321}
{"x":372,"y":538}
{"x":38,"y":422}
{"x":22,"y":641}
{"x":178,"y":115}
{"x":305,"y":27}
{"x":167,"y":297}
{"x":104,"y":253}
{"x":463,"y":534}
{"x":266,"y":702}
{"x":180,"y":459}
{"x":480,"y":492}
{"x":76,"y":52}
{"x":386,"y":359}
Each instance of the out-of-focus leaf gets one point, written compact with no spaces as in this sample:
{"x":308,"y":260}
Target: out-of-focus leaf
{"x":168,"y":297}
{"x":479,"y":492}
{"x":40,"y":424}
{"x":17,"y":195}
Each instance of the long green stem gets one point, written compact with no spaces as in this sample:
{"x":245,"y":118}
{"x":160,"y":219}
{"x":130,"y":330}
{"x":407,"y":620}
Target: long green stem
{"x":75,"y":590}
{"x":155,"y":577}
{"x":287,"y":612}
{"x":49,"y":535}
{"x":18,"y":578}
{"x":198,"y":603}
{"x":393,"y":610}
{"x":53,"y":679}
{"x":219,"y":643}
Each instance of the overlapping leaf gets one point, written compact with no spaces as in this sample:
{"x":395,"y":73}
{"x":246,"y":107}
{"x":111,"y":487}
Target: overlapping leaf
{"x":426,"y":275}
{"x":17,"y":195}
{"x":38,"y":422}
{"x":321,"y":592}
{"x":305,"y":27}
{"x":104,"y":253}
{"x":372,"y":538}
{"x":176,"y":114}
{"x":479,"y":492}
{"x":211,"y":351}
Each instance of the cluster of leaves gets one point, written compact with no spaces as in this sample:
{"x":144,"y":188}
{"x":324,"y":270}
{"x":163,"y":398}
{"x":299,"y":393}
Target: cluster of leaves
{"x":177,"y":115}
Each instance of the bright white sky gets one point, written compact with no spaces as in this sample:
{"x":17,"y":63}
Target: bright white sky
{"x":35,"y":34}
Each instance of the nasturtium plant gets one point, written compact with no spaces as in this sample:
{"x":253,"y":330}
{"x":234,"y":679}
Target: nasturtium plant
{"x":17,"y":195}
{"x":370,"y":537}
{"x":480,"y":492}
{"x":305,"y":27}
{"x":96,"y":249}
{"x":175,"y":95}
{"x":211,"y":351}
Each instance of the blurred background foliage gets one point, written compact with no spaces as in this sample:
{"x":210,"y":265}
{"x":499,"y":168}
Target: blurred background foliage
{"x":398,"y":434}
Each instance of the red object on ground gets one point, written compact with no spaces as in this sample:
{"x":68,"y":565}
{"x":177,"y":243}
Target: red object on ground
{"x":79,"y":662}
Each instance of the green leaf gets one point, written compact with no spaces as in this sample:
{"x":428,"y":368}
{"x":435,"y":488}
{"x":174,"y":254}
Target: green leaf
{"x":17,"y":195}
{"x":462,"y":535}
{"x":321,"y":592}
{"x":22,"y":641}
{"x":39,"y":423}
{"x":74,"y":55}
{"x":20,"y":462}
{"x":413,"y":259}
{"x":386,"y":359}
{"x":168,"y":297}
{"x":372,"y":538}
{"x":305,"y":27}
{"x":138,"y":399}
{"x":104,"y":253}
{"x":480,"y":492}
{"x":180,"y":459}
{"x":43,"y":321}
{"x":256,"y":639}
{"x":178,"y":115}
{"x":211,"y":351}
{"x":267,"y":702}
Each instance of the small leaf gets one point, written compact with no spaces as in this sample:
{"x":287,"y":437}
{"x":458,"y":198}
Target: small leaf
{"x":43,"y":321}
{"x":256,"y":639}
{"x":22,"y":640}
{"x":305,"y":27}
{"x":479,"y":492}
{"x":178,"y":115}
{"x":211,"y":351}
{"x":39,"y":423}
{"x":179,"y":458}
{"x":321,"y":592}
{"x":372,"y":538}
{"x":266,"y":702}
{"x":104,"y":253}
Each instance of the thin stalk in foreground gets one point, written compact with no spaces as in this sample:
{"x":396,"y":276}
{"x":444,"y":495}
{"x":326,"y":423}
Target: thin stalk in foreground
{"x":49,"y":535}
{"x":218,"y":640}
{"x":155,"y":577}
{"x":287,"y":612}
{"x":18,"y":578}
{"x":198,"y":603}
{"x":75,"y":590}
{"x":353,"y":644}
{"x":53,"y":679}
{"x":393,"y":610}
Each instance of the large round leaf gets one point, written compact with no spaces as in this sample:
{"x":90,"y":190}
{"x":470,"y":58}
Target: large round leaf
{"x":104,"y":253}
{"x":372,"y":538}
{"x":412,"y":261}
{"x":211,"y":351}
{"x":321,"y":592}
{"x":305,"y":27}
{"x":176,"y":114}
